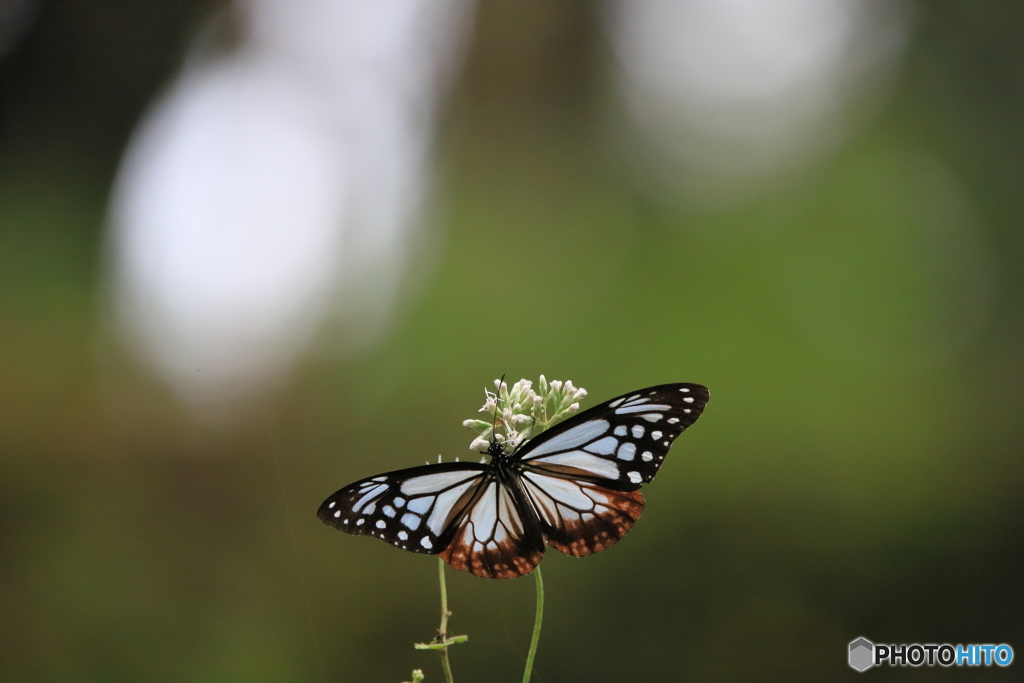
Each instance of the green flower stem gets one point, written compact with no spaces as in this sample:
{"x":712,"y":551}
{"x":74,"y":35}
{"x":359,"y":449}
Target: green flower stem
{"x":442,"y":632}
{"x":536,"y":626}
{"x":442,"y":641}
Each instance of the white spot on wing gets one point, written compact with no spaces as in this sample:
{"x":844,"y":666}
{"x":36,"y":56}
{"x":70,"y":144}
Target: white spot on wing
{"x":402,"y":536}
{"x":619,"y":431}
{"x":652,"y":417}
{"x":685,"y":390}
{"x":605,"y":446}
{"x":673,"y":420}
{"x":425,"y":542}
{"x":381,"y":524}
{"x":655,"y":434}
{"x":338,"y":513}
{"x":626,"y":451}
{"x":635,"y":477}
{"x":616,"y":402}
{"x":638,"y":431}
{"x":399,"y":502}
{"x":421,"y":505}
{"x":388,"y":510}
{"x":578,"y":435}
{"x":411,"y":521}
{"x":332,"y":504}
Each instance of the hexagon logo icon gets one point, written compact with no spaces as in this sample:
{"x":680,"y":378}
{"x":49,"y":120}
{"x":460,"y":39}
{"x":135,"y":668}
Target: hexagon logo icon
{"x":862,"y":654}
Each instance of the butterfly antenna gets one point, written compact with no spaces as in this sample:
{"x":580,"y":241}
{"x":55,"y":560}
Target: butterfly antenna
{"x":494,"y":418}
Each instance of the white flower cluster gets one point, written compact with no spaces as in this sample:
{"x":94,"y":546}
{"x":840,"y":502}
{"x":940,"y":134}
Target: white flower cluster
{"x":521,"y":412}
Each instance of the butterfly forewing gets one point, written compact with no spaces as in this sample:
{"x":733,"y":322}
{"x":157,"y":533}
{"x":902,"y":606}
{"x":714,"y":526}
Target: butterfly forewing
{"x":413,"y":509}
{"x":620,"y":443}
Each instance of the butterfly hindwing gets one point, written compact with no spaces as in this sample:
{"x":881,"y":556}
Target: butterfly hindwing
{"x":580,"y":517}
{"x":500,"y":538}
{"x":412,"y":509}
{"x":620,"y":443}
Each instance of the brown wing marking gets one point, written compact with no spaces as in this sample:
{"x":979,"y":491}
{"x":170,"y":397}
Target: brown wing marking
{"x":581,"y":518}
{"x":492,"y":541}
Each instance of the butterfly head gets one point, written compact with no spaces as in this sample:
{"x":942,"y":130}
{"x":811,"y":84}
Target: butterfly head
{"x":496,"y":449}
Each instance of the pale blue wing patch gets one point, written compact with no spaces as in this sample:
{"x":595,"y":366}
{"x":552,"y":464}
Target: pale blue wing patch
{"x":586,"y":463}
{"x":605,"y":446}
{"x":572,"y":438}
{"x":627,"y":409}
{"x":441,"y":513}
{"x":435,"y":482}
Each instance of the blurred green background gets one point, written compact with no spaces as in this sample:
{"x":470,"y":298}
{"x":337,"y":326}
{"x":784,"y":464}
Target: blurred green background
{"x":857,"y":471}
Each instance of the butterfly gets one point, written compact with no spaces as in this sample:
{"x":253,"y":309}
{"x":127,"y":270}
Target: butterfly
{"x":574,"y":487}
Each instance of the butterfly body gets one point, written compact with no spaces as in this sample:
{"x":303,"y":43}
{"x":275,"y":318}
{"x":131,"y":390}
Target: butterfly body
{"x":574,"y":487}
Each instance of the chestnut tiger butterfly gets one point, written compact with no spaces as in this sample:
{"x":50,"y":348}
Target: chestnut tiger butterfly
{"x":575,"y":487}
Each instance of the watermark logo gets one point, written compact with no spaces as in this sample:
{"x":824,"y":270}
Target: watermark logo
{"x":863,"y":654}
